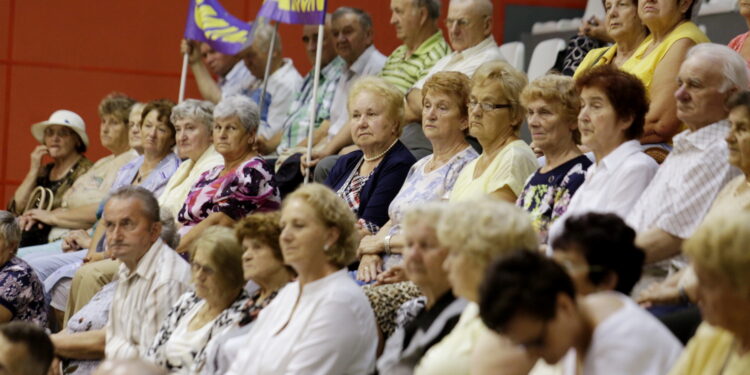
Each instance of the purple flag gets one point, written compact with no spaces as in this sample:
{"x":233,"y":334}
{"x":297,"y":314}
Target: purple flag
{"x":306,"y":12}
{"x":208,"y":22}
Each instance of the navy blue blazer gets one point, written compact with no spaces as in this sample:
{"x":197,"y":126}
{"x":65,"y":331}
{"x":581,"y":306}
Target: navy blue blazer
{"x":381,"y":187}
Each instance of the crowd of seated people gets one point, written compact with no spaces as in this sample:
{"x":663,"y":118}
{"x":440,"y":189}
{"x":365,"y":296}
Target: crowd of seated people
{"x":435,"y":242}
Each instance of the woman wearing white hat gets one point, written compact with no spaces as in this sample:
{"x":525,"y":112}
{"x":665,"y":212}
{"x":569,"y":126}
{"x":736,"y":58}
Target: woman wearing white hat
{"x":63,"y":138}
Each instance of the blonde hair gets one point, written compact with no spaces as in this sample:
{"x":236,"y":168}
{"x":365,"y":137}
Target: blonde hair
{"x":334,"y":213}
{"x":224,"y":253}
{"x":428,"y":213}
{"x":484,"y":229}
{"x":720,"y":245}
{"x":511,"y":80}
{"x":559,"y":92}
{"x":393,"y":97}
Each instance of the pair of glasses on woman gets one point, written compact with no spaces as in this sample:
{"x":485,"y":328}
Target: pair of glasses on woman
{"x":486,"y":107}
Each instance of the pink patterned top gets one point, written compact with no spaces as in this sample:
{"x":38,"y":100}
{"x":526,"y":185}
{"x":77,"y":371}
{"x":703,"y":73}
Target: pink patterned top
{"x":242,"y":191}
{"x":737,"y":42}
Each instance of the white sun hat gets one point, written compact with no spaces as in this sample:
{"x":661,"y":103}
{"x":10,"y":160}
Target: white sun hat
{"x":61,"y":117}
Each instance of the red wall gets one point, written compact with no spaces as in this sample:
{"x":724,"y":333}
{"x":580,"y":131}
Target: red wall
{"x":69,"y":54}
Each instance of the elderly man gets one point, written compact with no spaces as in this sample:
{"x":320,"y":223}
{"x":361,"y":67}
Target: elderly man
{"x":295,"y":127}
{"x":151,"y":278}
{"x":25,"y":349}
{"x":469,"y":24}
{"x":232,"y":75}
{"x":283,"y":79}
{"x":416,"y":25}
{"x":678,"y":197}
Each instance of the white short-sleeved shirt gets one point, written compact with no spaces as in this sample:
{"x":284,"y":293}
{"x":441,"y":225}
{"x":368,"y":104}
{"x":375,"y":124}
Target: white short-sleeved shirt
{"x":466,"y":61}
{"x":328,"y":329}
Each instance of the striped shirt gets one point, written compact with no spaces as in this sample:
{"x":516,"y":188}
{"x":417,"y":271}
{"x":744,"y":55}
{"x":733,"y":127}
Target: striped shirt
{"x":687,"y":182}
{"x":404,"y":71}
{"x":298,"y":120}
{"x":142,"y":300}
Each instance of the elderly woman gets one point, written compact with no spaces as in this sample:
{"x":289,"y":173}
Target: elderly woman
{"x":444,"y":121}
{"x":495,"y":117}
{"x":263,"y":264}
{"x":213,"y":308}
{"x":657,"y":60}
{"x":625,"y":28}
{"x":63,"y":138}
{"x":613,"y":105}
{"x":738,"y":43}
{"x":598,"y":251}
{"x":474,"y":232}
{"x":134,"y":127}
{"x":192,"y":120}
{"x":322,"y":322}
{"x":79,"y":203}
{"x":530,"y":299}
{"x":552,"y":107}
{"x":369,"y":178}
{"x":718,"y":250}
{"x":425,"y":320}
{"x":21,"y":292}
{"x":241,"y":185}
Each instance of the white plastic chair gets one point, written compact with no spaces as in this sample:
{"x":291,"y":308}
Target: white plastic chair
{"x":514,"y":53}
{"x":544,"y":56}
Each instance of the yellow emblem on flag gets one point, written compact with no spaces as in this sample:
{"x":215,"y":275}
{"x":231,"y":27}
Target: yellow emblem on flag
{"x":215,"y":27}
{"x":302,"y":5}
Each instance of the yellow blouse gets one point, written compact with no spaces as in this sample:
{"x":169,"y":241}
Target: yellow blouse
{"x":596,"y":57}
{"x":643,"y":67}
{"x":711,"y":351}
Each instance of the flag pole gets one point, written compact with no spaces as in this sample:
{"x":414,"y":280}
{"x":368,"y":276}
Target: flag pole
{"x":314,"y":101}
{"x":183,"y":78}
{"x":268,"y":68}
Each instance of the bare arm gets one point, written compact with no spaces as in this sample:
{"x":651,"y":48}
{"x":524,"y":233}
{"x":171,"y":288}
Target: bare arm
{"x":216,"y":218}
{"x":80,"y":345}
{"x":658,"y":244}
{"x":318,"y":134}
{"x":207,"y":86}
{"x":413,"y":106}
{"x":342,"y":139}
{"x":5,"y":314}
{"x":661,"y":120}
{"x":504,"y":194}
{"x":23,"y":192}
{"x":82,"y":217}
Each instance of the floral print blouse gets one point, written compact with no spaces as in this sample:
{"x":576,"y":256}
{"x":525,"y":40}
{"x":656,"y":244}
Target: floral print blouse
{"x":22,"y":293}
{"x":546,"y":196}
{"x":246,"y":189}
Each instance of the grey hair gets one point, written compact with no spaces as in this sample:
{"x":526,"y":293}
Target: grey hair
{"x":428,"y":214}
{"x":243,"y":108}
{"x":168,"y":229}
{"x":432,"y":6}
{"x":364,"y":18}
{"x":149,"y":204}
{"x":9,"y":230}
{"x":732,"y":64}
{"x":262,"y":34}
{"x":199,"y":110}
{"x":137,"y":107}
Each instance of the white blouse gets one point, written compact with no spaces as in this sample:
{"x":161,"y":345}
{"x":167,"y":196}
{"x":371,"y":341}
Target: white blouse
{"x":181,"y":346}
{"x":327,"y":328}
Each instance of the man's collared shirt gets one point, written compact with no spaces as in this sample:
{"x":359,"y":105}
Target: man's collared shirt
{"x":466,"y":61}
{"x":369,"y":63}
{"x":404,"y":71}
{"x":282,"y":85}
{"x":142,"y":300}
{"x":236,"y":80}
{"x":687,"y":182}
{"x":297,"y":124}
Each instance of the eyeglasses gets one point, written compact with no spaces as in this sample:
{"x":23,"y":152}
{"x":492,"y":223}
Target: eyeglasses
{"x":208,"y":271}
{"x":486,"y":107}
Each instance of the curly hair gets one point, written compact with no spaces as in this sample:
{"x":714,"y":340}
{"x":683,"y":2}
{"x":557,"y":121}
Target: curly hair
{"x":558,"y":91}
{"x":333,"y":212}
{"x":224,"y":253}
{"x":454,"y":84}
{"x":485,"y":229}
{"x":163,"y":108}
{"x":523,"y":282}
{"x":625,"y":92}
{"x":116,"y":104}
{"x":607,"y":244}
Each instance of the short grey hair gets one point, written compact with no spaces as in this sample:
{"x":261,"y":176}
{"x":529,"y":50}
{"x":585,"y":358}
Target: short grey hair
{"x":149,"y":204}
{"x":262,"y":34}
{"x":364,"y":18}
{"x":243,"y":108}
{"x":432,"y":6}
{"x":732,"y":64}
{"x":9,"y":230}
{"x":201,"y":111}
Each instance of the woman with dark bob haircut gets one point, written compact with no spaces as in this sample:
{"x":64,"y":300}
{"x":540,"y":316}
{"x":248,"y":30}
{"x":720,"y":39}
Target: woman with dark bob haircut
{"x":598,"y":251}
{"x":613,"y":108}
{"x":529,"y":298}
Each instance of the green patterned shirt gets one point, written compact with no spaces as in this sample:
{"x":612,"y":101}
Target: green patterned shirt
{"x":404,"y":71}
